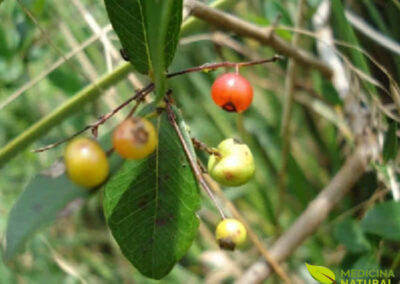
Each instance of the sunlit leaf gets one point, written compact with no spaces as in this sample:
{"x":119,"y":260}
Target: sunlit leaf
{"x":321,"y":274}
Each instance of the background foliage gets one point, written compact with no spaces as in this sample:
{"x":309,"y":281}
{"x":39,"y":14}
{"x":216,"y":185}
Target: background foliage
{"x":79,"y":247}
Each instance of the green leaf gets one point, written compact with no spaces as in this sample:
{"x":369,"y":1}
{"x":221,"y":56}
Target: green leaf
{"x":39,"y":205}
{"x":66,"y":80}
{"x":321,"y":274}
{"x":150,"y":205}
{"x":390,"y":145}
{"x":350,"y":234}
{"x":344,"y":31}
{"x":383,"y":220}
{"x":149,"y":32}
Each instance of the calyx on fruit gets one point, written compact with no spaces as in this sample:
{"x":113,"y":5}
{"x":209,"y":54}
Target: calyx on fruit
{"x":230,"y":233}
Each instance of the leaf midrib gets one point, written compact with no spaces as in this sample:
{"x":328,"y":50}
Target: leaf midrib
{"x":146,"y":45}
{"x":156,"y":197}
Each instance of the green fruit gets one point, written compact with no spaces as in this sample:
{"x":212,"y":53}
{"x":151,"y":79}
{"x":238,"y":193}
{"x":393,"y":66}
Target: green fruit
{"x":230,"y":233}
{"x":234,"y":166}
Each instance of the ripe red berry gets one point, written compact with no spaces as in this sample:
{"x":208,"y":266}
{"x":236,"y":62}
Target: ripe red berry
{"x":232,"y":92}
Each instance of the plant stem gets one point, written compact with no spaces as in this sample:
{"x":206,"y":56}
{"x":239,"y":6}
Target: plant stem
{"x":94,"y":126}
{"x":213,"y":66}
{"x":192,"y":160}
{"x":141,"y":94}
{"x":88,"y":94}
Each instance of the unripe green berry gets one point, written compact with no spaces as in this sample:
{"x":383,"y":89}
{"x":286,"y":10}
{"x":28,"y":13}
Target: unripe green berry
{"x":235,"y":165}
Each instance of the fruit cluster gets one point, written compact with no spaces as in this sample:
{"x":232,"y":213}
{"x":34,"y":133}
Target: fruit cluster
{"x":135,"y":138}
{"x":234,"y":166}
{"x":86,"y":161}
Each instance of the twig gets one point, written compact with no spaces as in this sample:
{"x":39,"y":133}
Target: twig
{"x":141,"y":94}
{"x":213,"y":66}
{"x":138,"y":97}
{"x":287,"y":113}
{"x":315,"y":213}
{"x":193,"y":163}
{"x":253,"y":236}
{"x":264,"y":35}
{"x":202,"y":146}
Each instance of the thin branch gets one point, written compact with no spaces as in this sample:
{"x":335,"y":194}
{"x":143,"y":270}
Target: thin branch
{"x":264,"y":35}
{"x":213,"y":66}
{"x":315,"y":213}
{"x":202,"y":146}
{"x":141,"y":94}
{"x":94,"y":126}
{"x":192,"y":160}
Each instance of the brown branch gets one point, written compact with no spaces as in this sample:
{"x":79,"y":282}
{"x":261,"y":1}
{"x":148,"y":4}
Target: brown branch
{"x":202,"y":146}
{"x":213,"y":66}
{"x":264,"y":35}
{"x":141,"y":94}
{"x":315,"y":213}
{"x":94,"y":126}
{"x":192,"y":160}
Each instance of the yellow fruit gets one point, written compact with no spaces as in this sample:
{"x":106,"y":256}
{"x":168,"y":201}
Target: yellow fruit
{"x":230,"y":233}
{"x":86,"y":162}
{"x":135,"y":138}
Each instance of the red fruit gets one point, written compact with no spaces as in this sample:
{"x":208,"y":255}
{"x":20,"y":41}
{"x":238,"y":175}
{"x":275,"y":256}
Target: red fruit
{"x":232,"y":92}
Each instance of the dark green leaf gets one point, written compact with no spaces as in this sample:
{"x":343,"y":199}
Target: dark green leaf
{"x":40,"y":203}
{"x":325,"y":88}
{"x":148,"y":31}
{"x":350,"y":234}
{"x":390,"y":145}
{"x":150,"y":205}
{"x":67,"y":80}
{"x":383,"y":220}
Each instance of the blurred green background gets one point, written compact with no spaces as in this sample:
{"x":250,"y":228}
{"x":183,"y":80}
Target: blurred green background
{"x":79,"y":247}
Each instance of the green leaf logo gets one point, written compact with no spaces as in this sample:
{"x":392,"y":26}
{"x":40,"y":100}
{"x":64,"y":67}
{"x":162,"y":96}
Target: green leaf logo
{"x":321,"y":274}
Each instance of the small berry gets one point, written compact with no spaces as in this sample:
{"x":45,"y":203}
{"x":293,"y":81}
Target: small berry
{"x":232,"y":92}
{"x":230,"y":233}
{"x":86,"y":162}
{"x":235,"y":165}
{"x":135,"y":138}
